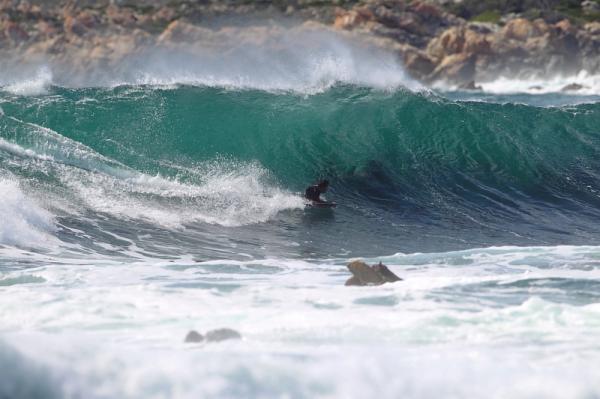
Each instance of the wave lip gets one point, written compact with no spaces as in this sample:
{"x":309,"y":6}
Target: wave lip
{"x":37,"y":84}
{"x":304,"y":60}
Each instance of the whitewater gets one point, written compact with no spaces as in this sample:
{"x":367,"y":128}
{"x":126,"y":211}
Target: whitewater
{"x":169,"y":199}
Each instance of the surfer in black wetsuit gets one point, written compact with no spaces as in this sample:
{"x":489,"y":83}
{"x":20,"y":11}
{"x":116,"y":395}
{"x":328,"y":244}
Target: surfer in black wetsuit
{"x":314,"y":192}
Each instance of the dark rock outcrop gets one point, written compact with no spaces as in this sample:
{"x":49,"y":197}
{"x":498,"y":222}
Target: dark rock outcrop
{"x":193,"y":337}
{"x":221,"y":334}
{"x":572,"y":87}
{"x":217,"y":335}
{"x":363,"y":274}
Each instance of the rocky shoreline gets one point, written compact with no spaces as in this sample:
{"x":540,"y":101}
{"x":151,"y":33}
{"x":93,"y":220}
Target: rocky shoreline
{"x":434,"y":44}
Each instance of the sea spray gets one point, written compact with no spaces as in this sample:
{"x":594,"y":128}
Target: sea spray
{"x":36,"y":85}
{"x":24,"y":223}
{"x":300,"y":59}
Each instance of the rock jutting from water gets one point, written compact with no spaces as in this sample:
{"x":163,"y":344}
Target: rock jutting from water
{"x":363,"y":274}
{"x":217,"y":335}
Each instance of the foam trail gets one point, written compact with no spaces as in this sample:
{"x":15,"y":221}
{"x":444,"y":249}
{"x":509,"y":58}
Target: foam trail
{"x":22,"y":152}
{"x":228,"y":199}
{"x":224,"y":193}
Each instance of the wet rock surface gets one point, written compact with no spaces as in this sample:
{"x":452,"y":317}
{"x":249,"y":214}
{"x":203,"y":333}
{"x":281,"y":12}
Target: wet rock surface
{"x":363,"y":274}
{"x":217,"y":335}
{"x":194,"y":337}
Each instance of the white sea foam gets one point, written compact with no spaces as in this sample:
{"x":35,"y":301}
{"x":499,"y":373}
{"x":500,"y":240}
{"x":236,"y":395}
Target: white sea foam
{"x":33,"y":85}
{"x":589,"y":85}
{"x":487,"y":322}
{"x":22,"y":152}
{"x":229,"y":199}
{"x":224,"y":193}
{"x":307,"y":63}
{"x":23,"y":221}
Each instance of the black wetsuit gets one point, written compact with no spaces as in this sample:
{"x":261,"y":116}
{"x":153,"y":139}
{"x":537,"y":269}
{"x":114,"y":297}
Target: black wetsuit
{"x":313,"y":193}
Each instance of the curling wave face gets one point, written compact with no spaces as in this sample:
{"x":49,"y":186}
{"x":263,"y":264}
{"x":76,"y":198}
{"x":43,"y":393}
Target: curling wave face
{"x":461,"y":173}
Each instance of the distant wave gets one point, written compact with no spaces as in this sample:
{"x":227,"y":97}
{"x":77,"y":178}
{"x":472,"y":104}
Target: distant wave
{"x":35,"y":84}
{"x":304,"y":61}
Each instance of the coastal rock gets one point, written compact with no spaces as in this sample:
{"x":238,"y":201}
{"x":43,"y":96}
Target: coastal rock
{"x":15,"y":33}
{"x":572,"y":87}
{"x":457,"y":68}
{"x":193,"y":337}
{"x":217,"y":335}
{"x":352,"y":18}
{"x":520,"y":29}
{"x":435,"y":44}
{"x":593,"y":28}
{"x":121,"y":16}
{"x":590,"y":6}
{"x":363,"y":274}
{"x":450,"y":42}
{"x":541,"y":26}
{"x":457,"y":40}
{"x":475,"y":42}
{"x":418,"y":63}
{"x":565,"y":26}
{"x":79,"y":24}
{"x":469,"y":86}
{"x":45,"y":30}
{"x":222,"y":334}
{"x":180,"y":31}
{"x":387,"y":274}
{"x":426,"y":10}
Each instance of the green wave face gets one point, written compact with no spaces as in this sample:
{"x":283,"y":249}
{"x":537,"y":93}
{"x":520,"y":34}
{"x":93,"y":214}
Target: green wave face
{"x":484,"y":169}
{"x":342,"y":132}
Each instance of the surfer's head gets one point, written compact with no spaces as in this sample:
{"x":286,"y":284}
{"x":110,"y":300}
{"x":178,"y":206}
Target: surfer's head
{"x":323,"y":185}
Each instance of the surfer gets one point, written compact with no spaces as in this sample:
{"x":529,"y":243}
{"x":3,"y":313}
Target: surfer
{"x":314,"y":192}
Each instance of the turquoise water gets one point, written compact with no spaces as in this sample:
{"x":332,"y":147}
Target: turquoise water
{"x":462,"y":174}
{"x":134,"y":213}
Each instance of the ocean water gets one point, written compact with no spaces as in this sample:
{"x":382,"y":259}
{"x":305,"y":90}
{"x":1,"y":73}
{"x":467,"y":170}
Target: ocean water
{"x":132,"y":213}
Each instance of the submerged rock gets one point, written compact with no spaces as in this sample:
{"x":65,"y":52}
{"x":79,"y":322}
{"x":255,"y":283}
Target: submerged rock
{"x":387,"y":274}
{"x":217,"y":335}
{"x":221,"y":334}
{"x":194,"y":337}
{"x":363,"y":274}
{"x":572,"y":87}
{"x":470,"y":86}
